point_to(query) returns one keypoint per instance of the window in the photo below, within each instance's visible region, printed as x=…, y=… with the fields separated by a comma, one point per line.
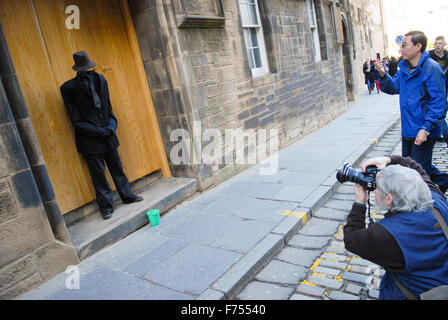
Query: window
x=253, y=36
x=314, y=30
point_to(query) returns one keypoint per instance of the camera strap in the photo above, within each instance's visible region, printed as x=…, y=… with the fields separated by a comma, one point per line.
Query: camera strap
x=371, y=222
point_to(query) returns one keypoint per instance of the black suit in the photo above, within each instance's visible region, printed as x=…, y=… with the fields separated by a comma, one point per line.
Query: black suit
x=90, y=123
x=95, y=134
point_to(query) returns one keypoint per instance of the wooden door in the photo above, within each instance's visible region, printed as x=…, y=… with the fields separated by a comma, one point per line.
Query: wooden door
x=41, y=47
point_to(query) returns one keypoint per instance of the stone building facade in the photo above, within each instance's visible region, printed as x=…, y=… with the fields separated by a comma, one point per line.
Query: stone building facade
x=284, y=66
x=210, y=81
x=369, y=36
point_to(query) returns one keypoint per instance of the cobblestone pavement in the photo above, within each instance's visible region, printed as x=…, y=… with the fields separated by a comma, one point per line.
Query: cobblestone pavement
x=314, y=265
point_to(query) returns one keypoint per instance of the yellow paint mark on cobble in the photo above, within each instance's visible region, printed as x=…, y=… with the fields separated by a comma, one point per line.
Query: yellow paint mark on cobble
x=300, y=215
x=316, y=264
x=318, y=274
x=338, y=235
x=339, y=278
x=308, y=283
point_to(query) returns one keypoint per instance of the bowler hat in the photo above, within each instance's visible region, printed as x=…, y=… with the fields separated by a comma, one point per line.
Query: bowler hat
x=82, y=61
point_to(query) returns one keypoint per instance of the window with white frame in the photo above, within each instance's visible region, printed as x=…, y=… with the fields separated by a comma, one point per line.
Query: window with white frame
x=253, y=36
x=314, y=30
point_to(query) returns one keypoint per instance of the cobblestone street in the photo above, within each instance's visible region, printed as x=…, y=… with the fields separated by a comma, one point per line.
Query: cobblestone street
x=314, y=265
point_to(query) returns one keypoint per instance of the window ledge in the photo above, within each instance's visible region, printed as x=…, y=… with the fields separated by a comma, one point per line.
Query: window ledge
x=263, y=78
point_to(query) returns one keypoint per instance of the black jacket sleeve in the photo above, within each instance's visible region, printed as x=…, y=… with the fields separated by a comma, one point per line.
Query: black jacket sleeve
x=113, y=123
x=374, y=243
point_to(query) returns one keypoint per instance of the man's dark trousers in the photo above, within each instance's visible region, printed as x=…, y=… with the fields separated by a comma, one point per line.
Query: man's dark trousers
x=102, y=188
x=423, y=155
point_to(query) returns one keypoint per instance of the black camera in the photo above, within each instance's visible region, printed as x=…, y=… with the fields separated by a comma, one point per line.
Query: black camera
x=367, y=179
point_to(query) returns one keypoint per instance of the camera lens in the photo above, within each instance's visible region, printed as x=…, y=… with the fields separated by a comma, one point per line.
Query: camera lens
x=348, y=174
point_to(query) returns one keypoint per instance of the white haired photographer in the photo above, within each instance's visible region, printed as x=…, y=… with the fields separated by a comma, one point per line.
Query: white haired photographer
x=411, y=242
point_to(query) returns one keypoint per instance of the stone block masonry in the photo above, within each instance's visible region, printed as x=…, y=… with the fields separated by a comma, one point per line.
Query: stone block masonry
x=29, y=252
x=210, y=71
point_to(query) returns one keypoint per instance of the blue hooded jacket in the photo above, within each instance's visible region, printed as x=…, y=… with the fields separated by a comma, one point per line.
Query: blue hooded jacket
x=422, y=96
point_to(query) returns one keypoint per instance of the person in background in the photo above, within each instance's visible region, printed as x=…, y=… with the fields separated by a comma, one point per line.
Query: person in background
x=440, y=55
x=421, y=85
x=393, y=66
x=376, y=76
x=368, y=70
x=385, y=63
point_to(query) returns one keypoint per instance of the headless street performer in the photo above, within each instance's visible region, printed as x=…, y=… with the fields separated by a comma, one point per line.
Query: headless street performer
x=86, y=98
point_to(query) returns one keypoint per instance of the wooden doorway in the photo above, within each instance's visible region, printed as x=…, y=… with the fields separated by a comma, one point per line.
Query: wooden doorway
x=41, y=47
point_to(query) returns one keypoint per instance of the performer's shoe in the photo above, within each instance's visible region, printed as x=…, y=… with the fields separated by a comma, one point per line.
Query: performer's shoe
x=133, y=199
x=106, y=213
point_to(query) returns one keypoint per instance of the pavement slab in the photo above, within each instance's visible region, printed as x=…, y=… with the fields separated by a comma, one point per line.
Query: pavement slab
x=320, y=227
x=299, y=257
x=105, y=284
x=265, y=291
x=193, y=269
x=282, y=272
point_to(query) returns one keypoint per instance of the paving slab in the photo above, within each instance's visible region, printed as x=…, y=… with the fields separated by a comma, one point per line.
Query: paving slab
x=282, y=272
x=254, y=209
x=310, y=290
x=326, y=282
x=332, y=214
x=308, y=242
x=105, y=284
x=293, y=193
x=243, y=236
x=320, y=227
x=193, y=269
x=298, y=296
x=153, y=258
x=265, y=291
x=337, y=295
x=299, y=257
x=200, y=228
x=339, y=205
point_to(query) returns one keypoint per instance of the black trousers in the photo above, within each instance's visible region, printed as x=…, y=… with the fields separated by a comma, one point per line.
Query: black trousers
x=96, y=164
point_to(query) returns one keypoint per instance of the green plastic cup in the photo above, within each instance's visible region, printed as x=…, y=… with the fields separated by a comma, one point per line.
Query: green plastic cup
x=154, y=217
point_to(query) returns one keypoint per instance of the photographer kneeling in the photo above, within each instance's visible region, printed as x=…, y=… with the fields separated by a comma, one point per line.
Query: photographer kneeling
x=409, y=242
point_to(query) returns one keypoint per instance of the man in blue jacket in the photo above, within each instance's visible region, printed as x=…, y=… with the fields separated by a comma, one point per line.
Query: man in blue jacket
x=421, y=85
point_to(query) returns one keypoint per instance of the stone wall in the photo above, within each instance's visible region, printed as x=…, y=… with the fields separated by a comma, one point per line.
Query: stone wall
x=202, y=75
x=368, y=36
x=29, y=252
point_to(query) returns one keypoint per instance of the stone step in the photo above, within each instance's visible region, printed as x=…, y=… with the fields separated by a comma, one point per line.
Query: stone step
x=94, y=233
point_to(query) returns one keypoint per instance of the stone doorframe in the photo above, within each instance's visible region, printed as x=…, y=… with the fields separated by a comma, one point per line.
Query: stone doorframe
x=348, y=68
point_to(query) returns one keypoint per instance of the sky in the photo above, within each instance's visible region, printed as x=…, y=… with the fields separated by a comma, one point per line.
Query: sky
x=401, y=16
